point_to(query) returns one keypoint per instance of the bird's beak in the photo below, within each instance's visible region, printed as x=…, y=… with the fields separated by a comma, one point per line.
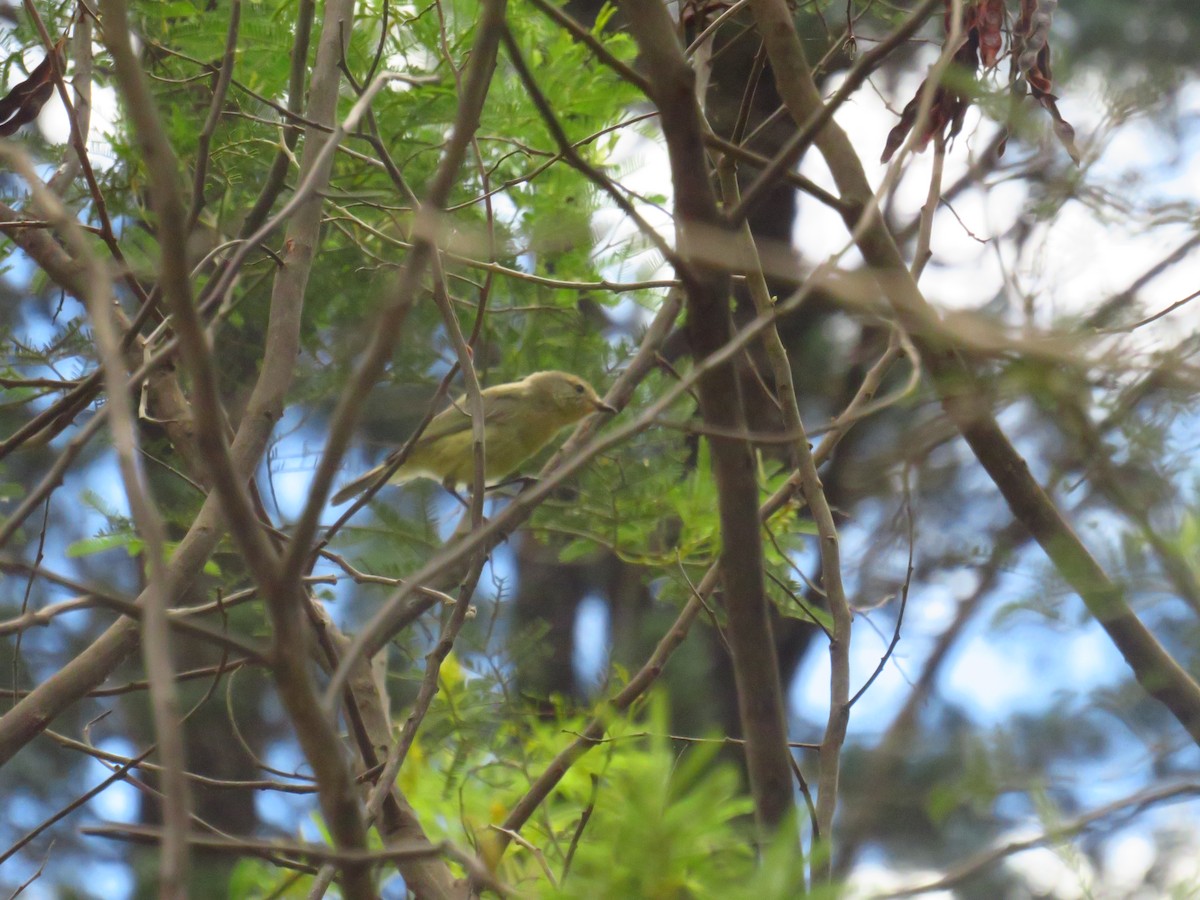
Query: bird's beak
x=603, y=407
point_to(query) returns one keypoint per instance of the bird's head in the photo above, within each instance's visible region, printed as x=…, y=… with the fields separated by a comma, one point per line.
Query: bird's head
x=568, y=394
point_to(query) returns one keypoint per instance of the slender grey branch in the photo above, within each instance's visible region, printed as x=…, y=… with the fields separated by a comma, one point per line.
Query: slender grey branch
x=975, y=865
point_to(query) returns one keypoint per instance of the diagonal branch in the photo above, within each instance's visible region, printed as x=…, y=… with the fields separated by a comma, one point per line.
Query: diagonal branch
x=1127, y=806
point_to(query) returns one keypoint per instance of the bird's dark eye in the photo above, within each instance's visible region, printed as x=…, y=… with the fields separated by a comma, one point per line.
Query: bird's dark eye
x=579, y=388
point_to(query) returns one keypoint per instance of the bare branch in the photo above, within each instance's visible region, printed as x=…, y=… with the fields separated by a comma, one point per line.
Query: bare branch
x=220, y=88
x=1132, y=804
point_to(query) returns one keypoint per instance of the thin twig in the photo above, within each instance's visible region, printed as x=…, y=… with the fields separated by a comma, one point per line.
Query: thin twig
x=1130, y=805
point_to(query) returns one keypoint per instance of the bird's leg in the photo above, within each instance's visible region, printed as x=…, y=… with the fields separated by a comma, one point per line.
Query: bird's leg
x=448, y=484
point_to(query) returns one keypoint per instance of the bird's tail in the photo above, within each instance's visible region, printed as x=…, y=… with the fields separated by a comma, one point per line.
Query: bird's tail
x=358, y=485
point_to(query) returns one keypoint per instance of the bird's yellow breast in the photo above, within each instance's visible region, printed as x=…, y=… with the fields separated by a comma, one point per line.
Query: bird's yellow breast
x=504, y=450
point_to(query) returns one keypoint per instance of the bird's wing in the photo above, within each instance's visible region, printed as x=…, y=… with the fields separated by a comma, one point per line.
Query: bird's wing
x=500, y=408
x=450, y=420
x=455, y=419
x=504, y=407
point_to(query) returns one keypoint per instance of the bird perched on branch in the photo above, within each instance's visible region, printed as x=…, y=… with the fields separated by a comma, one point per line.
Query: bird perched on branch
x=520, y=418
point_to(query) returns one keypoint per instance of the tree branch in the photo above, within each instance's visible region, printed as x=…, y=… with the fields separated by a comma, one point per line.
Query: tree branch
x=960, y=391
x=709, y=328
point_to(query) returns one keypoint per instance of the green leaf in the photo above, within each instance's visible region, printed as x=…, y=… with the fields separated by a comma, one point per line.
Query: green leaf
x=178, y=9
x=92, y=545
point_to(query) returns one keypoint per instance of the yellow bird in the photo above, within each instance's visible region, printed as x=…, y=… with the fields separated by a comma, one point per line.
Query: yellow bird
x=520, y=418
